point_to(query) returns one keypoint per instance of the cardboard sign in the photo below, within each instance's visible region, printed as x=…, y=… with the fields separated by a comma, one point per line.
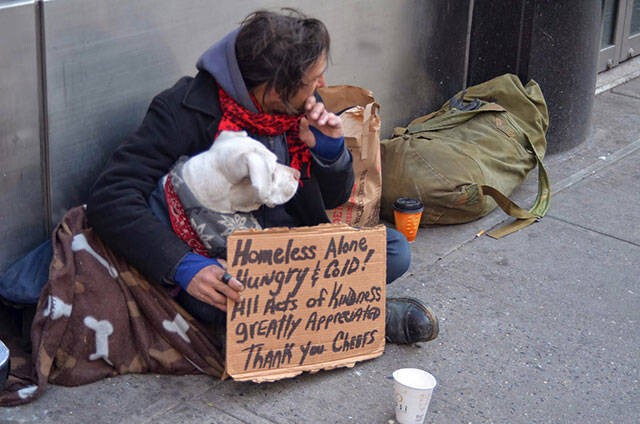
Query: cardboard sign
x=314, y=299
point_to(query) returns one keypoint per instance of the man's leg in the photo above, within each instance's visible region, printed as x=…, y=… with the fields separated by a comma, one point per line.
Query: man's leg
x=20, y=287
x=408, y=320
x=22, y=282
x=203, y=312
x=398, y=255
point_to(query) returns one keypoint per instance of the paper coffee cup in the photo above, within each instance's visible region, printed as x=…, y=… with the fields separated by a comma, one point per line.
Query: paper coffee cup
x=413, y=388
x=406, y=214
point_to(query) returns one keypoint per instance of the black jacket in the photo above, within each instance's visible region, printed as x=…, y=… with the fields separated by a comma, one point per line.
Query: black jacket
x=181, y=121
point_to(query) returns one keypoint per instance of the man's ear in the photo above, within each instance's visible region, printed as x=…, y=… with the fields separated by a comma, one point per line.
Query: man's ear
x=259, y=174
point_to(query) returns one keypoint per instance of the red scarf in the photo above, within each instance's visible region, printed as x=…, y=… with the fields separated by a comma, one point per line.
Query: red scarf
x=237, y=118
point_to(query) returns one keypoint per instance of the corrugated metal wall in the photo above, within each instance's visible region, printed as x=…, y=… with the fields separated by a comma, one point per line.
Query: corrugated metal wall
x=22, y=215
x=76, y=76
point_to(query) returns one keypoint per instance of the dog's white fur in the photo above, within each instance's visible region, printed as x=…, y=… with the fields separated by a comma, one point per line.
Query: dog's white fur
x=239, y=174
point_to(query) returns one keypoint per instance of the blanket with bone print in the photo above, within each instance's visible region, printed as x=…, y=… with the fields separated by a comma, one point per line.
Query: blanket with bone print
x=98, y=317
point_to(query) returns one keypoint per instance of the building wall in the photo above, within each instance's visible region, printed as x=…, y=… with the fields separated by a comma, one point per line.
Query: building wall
x=76, y=77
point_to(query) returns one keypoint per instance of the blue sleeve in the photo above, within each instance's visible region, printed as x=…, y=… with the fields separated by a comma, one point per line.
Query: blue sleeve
x=189, y=266
x=328, y=148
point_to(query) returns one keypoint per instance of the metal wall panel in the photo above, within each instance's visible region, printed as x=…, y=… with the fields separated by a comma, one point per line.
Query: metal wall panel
x=105, y=61
x=21, y=202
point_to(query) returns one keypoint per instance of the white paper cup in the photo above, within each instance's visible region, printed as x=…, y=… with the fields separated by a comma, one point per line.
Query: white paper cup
x=413, y=389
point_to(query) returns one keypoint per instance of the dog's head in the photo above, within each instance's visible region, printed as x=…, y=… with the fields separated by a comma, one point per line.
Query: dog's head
x=255, y=175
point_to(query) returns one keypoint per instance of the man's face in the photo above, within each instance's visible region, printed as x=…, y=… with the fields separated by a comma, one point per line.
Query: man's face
x=312, y=80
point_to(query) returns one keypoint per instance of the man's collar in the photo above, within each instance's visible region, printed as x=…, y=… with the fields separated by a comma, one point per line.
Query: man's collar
x=202, y=95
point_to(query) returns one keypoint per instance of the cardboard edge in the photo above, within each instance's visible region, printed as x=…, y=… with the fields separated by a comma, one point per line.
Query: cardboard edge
x=317, y=229
x=278, y=374
x=326, y=227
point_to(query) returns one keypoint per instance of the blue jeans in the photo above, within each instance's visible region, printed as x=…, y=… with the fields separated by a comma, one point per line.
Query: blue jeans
x=23, y=281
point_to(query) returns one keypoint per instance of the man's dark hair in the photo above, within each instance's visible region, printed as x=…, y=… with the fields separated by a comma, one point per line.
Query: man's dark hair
x=278, y=48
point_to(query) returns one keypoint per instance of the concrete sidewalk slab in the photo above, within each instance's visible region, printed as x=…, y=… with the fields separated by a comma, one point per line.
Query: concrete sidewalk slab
x=606, y=202
x=632, y=89
x=538, y=327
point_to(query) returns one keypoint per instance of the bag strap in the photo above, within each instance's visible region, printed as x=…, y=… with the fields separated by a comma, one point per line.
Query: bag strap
x=448, y=118
x=523, y=217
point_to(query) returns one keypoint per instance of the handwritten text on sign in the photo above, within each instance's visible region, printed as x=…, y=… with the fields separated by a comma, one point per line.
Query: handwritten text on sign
x=314, y=298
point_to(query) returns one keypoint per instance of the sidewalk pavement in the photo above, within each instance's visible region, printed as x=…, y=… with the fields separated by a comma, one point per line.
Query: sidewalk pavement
x=538, y=327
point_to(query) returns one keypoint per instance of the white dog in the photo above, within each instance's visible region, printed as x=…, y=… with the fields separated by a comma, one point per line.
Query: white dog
x=239, y=174
x=218, y=187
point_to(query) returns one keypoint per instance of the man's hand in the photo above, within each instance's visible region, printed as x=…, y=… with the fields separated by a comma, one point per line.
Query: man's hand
x=208, y=287
x=316, y=115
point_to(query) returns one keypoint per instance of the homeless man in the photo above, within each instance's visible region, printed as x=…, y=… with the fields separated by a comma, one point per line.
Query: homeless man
x=261, y=78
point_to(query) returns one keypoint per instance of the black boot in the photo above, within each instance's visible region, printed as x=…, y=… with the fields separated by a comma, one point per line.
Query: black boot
x=409, y=321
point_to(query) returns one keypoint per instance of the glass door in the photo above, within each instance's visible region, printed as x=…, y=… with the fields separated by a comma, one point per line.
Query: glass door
x=620, y=32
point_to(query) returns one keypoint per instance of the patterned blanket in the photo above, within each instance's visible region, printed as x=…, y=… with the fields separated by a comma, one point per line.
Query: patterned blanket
x=98, y=317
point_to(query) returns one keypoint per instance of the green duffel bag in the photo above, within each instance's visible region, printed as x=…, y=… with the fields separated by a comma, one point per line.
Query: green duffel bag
x=466, y=158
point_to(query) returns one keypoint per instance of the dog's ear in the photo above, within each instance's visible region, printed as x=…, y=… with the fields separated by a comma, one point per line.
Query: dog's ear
x=260, y=173
x=237, y=166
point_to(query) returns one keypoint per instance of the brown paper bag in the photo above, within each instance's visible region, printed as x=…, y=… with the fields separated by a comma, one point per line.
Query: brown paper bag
x=361, y=122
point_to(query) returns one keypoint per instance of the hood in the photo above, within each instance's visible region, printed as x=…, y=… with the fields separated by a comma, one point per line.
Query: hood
x=220, y=61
